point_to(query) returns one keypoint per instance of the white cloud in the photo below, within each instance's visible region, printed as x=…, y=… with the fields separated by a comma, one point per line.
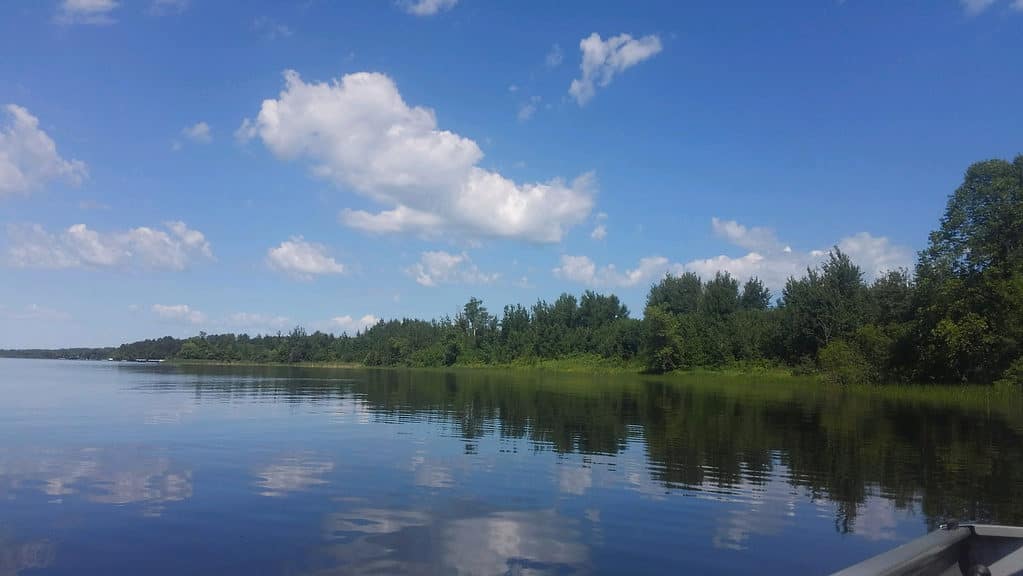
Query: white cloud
x=258, y=323
x=774, y=262
x=302, y=259
x=190, y=239
x=1017, y=5
x=439, y=267
x=599, y=232
x=32, y=246
x=603, y=59
x=163, y=7
x=749, y=238
x=179, y=313
x=271, y=29
x=29, y=158
x=528, y=108
x=583, y=270
x=350, y=326
x=554, y=57
x=977, y=6
x=769, y=259
x=34, y=312
x=198, y=132
x=360, y=133
x=86, y=11
x=426, y=7
x=390, y=221
x=875, y=254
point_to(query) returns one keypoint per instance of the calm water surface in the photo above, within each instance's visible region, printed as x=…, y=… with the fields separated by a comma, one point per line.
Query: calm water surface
x=110, y=468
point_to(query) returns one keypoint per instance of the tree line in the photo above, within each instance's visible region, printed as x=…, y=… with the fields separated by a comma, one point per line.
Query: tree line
x=957, y=317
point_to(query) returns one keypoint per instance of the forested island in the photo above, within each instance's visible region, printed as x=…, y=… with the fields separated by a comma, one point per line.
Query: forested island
x=956, y=318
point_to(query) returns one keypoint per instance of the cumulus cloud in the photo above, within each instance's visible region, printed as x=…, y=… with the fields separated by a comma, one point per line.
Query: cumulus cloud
x=179, y=313
x=32, y=246
x=604, y=59
x=599, y=232
x=554, y=57
x=302, y=259
x=198, y=132
x=426, y=7
x=86, y=11
x=349, y=325
x=28, y=156
x=750, y=238
x=585, y=271
x=359, y=132
x=774, y=262
x=768, y=259
x=439, y=267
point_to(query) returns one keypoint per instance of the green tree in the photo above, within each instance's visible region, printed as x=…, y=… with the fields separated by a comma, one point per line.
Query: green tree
x=677, y=294
x=662, y=341
x=755, y=296
x=721, y=295
x=970, y=278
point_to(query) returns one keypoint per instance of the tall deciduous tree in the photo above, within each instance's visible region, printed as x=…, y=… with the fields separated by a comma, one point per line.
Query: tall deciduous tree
x=970, y=278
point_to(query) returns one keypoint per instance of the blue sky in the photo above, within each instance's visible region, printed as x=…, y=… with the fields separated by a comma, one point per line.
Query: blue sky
x=172, y=166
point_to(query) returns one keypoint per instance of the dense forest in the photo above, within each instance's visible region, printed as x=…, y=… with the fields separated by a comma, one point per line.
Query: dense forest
x=958, y=317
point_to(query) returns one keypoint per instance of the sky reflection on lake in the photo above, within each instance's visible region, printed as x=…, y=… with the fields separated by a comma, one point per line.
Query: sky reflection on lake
x=109, y=468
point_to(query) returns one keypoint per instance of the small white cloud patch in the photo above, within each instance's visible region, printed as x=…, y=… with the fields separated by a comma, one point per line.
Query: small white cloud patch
x=166, y=7
x=349, y=325
x=554, y=57
x=302, y=260
x=198, y=132
x=35, y=312
x=181, y=313
x=271, y=29
x=974, y=7
x=97, y=12
x=528, y=108
x=29, y=158
x=32, y=246
x=258, y=323
x=426, y=7
x=583, y=270
x=605, y=59
x=439, y=267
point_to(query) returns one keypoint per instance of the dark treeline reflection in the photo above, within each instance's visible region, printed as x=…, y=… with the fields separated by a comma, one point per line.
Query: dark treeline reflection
x=957, y=457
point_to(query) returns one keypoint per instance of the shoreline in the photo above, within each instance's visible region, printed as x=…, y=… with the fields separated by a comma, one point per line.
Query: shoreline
x=564, y=365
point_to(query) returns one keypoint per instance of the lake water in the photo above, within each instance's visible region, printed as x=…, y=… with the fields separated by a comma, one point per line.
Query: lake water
x=109, y=468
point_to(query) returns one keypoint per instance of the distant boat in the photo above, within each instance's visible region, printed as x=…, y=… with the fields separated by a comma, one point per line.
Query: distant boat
x=953, y=549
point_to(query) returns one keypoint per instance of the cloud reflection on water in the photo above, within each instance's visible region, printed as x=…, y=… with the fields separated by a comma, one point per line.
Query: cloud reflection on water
x=114, y=475
x=292, y=474
x=376, y=540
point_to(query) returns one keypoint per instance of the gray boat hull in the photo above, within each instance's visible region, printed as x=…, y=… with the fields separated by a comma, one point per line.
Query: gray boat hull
x=953, y=550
